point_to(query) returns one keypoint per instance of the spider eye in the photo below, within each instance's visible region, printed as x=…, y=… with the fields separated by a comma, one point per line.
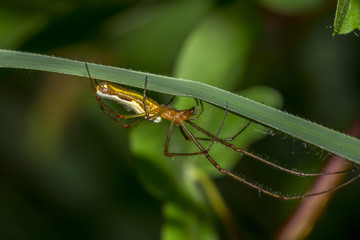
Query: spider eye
x=103, y=86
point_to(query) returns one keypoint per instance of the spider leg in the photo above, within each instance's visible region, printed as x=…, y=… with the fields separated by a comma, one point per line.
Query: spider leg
x=144, y=99
x=187, y=137
x=196, y=114
x=167, y=142
x=118, y=120
x=255, y=186
x=240, y=150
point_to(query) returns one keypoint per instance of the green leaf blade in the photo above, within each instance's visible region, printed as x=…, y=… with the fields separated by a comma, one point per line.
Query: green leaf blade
x=327, y=139
x=347, y=17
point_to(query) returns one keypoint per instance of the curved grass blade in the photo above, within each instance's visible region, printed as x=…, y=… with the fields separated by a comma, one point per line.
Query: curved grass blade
x=328, y=139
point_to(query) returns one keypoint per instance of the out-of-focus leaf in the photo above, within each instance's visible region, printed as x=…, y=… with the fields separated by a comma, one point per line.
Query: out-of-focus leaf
x=143, y=28
x=216, y=53
x=182, y=224
x=292, y=7
x=16, y=28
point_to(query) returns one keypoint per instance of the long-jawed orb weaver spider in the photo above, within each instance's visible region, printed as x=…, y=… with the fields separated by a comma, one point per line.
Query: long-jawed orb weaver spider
x=147, y=108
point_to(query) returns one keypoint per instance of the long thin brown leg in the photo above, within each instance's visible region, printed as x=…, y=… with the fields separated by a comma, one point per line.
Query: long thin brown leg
x=167, y=142
x=259, y=188
x=92, y=81
x=144, y=99
x=237, y=134
x=166, y=152
x=124, y=125
x=196, y=114
x=221, y=126
x=239, y=150
x=214, y=138
x=190, y=139
x=225, y=139
x=210, y=139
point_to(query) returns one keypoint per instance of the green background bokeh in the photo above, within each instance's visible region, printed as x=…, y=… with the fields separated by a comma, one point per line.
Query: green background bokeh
x=68, y=172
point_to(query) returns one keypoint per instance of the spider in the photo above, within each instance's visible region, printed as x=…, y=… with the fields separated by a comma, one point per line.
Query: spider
x=147, y=108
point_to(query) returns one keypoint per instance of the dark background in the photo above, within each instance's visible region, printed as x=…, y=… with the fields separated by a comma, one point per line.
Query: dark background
x=67, y=171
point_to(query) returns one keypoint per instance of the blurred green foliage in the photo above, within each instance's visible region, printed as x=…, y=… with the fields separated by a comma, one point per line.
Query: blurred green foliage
x=69, y=172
